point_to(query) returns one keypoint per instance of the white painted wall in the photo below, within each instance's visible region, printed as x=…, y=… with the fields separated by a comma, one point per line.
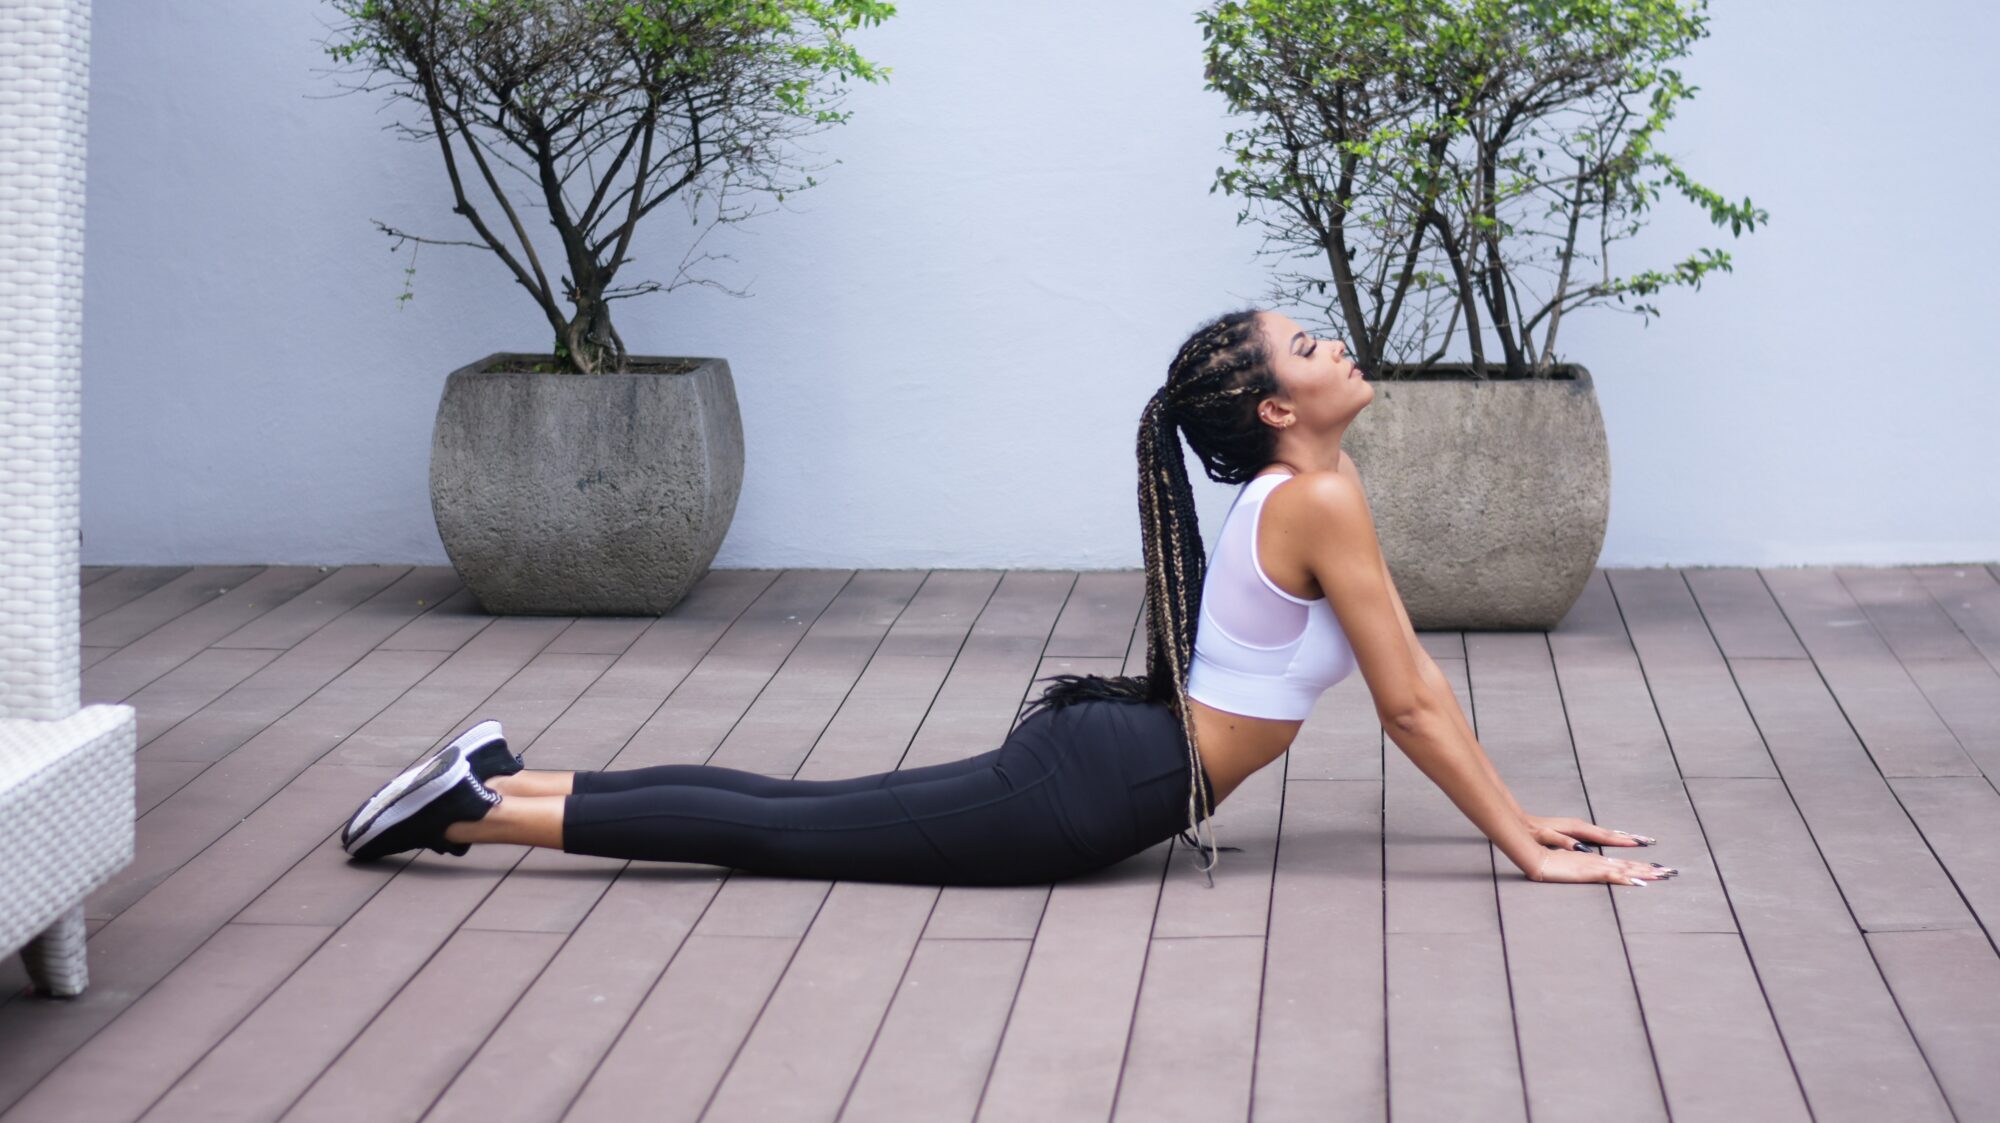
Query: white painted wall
x=948, y=342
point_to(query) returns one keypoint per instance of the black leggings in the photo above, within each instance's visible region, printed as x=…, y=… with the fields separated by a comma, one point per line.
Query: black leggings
x=1070, y=790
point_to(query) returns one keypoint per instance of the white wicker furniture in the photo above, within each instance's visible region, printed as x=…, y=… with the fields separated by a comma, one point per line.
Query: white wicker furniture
x=66, y=774
x=65, y=825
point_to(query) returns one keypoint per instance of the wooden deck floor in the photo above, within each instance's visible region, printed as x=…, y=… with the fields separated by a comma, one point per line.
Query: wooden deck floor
x=1815, y=749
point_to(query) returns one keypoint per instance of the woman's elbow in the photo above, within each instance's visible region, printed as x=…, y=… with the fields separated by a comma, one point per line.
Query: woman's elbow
x=1407, y=710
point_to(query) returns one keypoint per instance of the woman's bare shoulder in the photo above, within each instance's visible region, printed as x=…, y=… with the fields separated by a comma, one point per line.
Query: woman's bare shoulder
x=1318, y=485
x=1305, y=501
x=1306, y=517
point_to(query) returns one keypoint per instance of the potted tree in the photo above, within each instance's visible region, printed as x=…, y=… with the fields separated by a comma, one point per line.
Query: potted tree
x=1419, y=154
x=589, y=480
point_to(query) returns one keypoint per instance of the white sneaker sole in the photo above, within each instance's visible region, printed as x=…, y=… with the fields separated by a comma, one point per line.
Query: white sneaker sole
x=416, y=786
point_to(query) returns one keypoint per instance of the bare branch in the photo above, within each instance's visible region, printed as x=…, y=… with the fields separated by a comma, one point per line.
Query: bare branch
x=679, y=97
x=1421, y=135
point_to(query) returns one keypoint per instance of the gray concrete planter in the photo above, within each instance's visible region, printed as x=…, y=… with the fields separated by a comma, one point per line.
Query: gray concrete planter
x=1490, y=497
x=572, y=495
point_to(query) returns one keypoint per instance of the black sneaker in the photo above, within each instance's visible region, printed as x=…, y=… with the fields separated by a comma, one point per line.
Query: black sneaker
x=486, y=750
x=482, y=750
x=419, y=818
x=494, y=759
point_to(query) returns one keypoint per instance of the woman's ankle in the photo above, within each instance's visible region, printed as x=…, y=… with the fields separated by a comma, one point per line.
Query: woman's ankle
x=531, y=782
x=527, y=820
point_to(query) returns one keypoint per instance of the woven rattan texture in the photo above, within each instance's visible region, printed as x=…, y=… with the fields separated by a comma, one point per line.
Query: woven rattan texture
x=44, y=60
x=66, y=801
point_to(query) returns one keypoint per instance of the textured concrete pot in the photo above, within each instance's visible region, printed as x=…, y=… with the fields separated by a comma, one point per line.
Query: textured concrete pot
x=1490, y=496
x=572, y=495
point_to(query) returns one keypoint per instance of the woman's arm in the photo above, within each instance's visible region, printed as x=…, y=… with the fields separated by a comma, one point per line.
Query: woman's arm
x=1427, y=668
x=1561, y=833
x=1412, y=697
x=1346, y=560
x=1447, y=699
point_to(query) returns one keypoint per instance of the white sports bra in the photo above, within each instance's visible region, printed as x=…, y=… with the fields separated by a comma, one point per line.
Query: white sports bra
x=1259, y=650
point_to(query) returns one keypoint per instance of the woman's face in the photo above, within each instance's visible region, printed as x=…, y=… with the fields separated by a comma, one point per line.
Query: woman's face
x=1319, y=386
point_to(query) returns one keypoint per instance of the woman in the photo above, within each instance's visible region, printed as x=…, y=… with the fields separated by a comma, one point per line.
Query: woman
x=1099, y=768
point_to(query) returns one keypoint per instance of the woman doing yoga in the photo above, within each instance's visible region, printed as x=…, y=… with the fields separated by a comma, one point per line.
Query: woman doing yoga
x=1295, y=597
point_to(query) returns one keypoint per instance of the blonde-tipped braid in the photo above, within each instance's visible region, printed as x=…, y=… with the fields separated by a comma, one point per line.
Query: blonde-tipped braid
x=1176, y=580
x=1208, y=398
x=1165, y=588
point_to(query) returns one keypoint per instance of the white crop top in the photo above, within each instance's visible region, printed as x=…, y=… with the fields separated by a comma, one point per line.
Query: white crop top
x=1259, y=650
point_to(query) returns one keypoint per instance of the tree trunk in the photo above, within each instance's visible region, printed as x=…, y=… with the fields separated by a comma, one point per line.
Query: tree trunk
x=589, y=342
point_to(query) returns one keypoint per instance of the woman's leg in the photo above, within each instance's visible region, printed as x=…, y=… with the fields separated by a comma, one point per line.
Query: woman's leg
x=531, y=808
x=532, y=782
x=1000, y=823
x=536, y=783
x=526, y=820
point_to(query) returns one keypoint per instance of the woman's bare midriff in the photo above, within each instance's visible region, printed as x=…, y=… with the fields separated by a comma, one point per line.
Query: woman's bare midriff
x=1233, y=745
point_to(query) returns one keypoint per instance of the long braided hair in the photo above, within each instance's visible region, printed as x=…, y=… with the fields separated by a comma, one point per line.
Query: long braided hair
x=1213, y=386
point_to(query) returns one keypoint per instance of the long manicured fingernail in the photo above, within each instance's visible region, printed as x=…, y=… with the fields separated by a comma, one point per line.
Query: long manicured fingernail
x=1585, y=848
x=1635, y=881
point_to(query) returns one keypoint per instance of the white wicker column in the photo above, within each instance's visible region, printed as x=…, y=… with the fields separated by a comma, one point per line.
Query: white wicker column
x=44, y=51
x=66, y=797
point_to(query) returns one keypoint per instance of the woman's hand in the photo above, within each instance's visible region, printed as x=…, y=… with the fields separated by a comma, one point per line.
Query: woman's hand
x=1577, y=866
x=1564, y=833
